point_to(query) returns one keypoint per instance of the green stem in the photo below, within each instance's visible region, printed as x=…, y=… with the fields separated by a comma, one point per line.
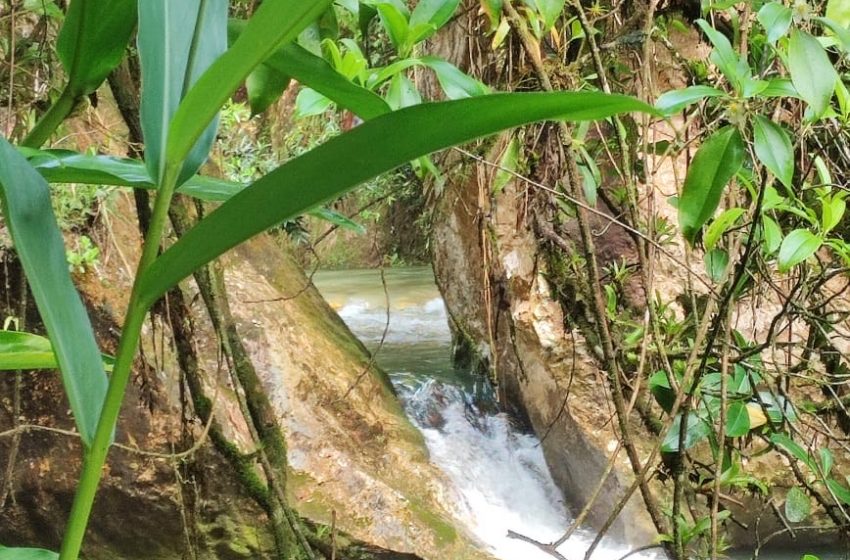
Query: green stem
x=95, y=456
x=51, y=120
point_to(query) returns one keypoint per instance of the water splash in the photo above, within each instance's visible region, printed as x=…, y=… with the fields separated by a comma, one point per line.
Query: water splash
x=498, y=472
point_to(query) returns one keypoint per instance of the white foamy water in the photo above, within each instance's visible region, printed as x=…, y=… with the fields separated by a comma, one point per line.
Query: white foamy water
x=499, y=474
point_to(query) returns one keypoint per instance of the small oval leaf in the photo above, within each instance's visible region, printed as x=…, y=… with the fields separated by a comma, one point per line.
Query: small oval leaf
x=773, y=148
x=797, y=505
x=737, y=420
x=798, y=246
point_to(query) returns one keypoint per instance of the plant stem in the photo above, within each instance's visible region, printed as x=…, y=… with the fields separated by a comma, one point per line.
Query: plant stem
x=51, y=120
x=95, y=456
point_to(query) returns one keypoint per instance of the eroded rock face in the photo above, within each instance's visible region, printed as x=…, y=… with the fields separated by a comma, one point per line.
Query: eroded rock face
x=355, y=459
x=493, y=278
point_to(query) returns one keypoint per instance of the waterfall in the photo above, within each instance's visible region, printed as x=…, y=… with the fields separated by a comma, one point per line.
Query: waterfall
x=498, y=472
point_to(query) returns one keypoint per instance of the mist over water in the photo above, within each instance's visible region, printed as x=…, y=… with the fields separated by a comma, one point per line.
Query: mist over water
x=499, y=475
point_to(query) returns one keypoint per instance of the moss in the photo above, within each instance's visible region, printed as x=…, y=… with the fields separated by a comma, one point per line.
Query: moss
x=444, y=532
x=238, y=539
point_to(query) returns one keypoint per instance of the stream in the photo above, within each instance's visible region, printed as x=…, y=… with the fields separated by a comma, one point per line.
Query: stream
x=497, y=470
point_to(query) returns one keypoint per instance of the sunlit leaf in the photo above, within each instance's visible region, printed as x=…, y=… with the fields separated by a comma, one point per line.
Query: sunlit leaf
x=797, y=246
x=721, y=225
x=305, y=182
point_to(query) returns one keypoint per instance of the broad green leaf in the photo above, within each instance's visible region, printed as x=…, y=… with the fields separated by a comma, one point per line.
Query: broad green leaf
x=177, y=42
x=840, y=31
x=716, y=262
x=774, y=150
x=26, y=554
x=812, y=73
x=314, y=72
x=310, y=103
x=772, y=235
x=305, y=182
x=776, y=19
x=797, y=246
x=274, y=23
x=674, y=101
x=714, y=164
x=20, y=350
x=720, y=225
x=29, y=216
x=265, y=85
x=737, y=420
x=797, y=505
x=455, y=83
x=435, y=13
x=839, y=12
x=793, y=448
x=93, y=40
x=396, y=24
x=696, y=431
x=402, y=92
x=550, y=10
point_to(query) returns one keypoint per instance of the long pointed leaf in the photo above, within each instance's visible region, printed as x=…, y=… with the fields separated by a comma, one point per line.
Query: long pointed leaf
x=26, y=554
x=93, y=39
x=358, y=155
x=296, y=62
x=64, y=166
x=177, y=42
x=29, y=217
x=313, y=72
x=275, y=22
x=21, y=350
x=715, y=163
